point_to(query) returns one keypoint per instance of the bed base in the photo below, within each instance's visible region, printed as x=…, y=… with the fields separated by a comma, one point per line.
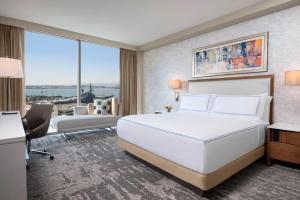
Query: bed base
x=204, y=182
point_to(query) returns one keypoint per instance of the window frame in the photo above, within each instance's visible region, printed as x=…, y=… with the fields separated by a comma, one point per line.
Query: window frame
x=79, y=60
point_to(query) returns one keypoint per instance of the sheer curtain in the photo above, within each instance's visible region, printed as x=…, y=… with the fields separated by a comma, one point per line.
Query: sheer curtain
x=12, y=46
x=128, y=81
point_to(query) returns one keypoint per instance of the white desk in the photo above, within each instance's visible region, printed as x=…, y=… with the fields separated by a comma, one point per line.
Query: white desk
x=12, y=158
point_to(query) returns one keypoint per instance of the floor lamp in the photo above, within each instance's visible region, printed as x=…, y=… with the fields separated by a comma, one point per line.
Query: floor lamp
x=10, y=68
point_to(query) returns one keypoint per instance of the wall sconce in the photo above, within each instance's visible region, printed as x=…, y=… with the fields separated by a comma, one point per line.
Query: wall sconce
x=176, y=86
x=292, y=77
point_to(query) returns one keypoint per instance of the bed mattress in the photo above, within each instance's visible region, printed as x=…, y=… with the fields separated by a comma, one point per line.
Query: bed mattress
x=201, y=142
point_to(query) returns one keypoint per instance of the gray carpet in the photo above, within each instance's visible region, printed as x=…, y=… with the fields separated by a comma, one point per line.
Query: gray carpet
x=91, y=166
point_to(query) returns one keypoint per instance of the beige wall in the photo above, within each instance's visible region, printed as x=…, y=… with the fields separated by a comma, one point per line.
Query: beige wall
x=174, y=61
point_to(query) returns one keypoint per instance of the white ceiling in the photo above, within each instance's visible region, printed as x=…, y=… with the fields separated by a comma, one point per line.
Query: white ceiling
x=133, y=22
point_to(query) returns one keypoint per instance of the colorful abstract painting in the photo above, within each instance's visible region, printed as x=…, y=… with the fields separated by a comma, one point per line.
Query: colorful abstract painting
x=240, y=56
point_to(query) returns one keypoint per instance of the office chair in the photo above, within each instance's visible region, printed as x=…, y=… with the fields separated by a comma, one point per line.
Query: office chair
x=36, y=123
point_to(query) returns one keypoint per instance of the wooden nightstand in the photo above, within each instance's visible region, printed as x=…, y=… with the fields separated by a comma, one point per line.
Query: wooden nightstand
x=283, y=143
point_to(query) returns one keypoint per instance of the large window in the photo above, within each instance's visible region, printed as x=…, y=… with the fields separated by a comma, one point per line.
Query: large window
x=99, y=72
x=51, y=75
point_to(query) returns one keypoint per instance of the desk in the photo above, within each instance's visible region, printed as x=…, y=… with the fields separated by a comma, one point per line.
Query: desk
x=12, y=158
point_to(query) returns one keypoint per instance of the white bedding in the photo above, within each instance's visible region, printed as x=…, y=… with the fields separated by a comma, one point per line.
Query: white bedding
x=203, y=142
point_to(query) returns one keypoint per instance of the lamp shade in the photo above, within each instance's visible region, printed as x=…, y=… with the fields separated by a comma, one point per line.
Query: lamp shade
x=174, y=84
x=11, y=68
x=292, y=77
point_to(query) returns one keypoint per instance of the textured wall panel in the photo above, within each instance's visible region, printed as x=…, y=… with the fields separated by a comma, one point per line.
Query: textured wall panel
x=174, y=61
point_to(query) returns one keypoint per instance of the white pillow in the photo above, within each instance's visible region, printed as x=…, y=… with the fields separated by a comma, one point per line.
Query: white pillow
x=264, y=107
x=265, y=114
x=236, y=105
x=195, y=102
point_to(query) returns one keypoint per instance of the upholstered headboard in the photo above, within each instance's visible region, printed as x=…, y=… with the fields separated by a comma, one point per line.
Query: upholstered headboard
x=233, y=85
x=241, y=85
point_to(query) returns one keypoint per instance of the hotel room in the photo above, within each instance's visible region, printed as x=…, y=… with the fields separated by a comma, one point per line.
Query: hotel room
x=140, y=99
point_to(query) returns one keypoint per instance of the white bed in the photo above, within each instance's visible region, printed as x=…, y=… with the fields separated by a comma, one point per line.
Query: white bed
x=199, y=141
x=209, y=136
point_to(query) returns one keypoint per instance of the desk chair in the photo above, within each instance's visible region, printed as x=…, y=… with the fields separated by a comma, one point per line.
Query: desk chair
x=36, y=123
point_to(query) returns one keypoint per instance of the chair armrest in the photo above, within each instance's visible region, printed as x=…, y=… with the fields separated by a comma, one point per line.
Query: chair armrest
x=25, y=123
x=39, y=131
x=80, y=110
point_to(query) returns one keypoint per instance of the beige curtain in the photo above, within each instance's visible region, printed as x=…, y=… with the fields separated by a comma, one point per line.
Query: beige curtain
x=12, y=46
x=128, y=82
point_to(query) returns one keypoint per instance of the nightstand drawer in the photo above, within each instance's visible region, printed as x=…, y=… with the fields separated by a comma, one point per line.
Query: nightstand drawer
x=285, y=152
x=290, y=137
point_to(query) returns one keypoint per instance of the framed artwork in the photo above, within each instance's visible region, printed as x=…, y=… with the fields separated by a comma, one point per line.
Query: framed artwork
x=243, y=55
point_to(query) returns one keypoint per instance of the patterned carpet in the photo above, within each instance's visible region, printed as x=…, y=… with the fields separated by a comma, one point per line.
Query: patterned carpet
x=91, y=166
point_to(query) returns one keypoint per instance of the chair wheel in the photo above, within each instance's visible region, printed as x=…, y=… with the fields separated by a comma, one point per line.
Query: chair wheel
x=51, y=157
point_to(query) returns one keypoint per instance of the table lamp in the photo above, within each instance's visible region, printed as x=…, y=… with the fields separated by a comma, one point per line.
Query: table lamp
x=10, y=68
x=292, y=77
x=175, y=85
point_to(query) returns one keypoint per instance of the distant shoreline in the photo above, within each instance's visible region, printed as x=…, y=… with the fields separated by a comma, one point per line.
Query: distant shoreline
x=69, y=91
x=115, y=86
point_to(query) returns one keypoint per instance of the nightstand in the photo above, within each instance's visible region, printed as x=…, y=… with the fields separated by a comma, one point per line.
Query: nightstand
x=283, y=143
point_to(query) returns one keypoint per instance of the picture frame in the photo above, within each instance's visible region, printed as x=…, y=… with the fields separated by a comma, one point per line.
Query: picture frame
x=243, y=55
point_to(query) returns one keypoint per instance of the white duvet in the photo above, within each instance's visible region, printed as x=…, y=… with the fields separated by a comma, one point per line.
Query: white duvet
x=197, y=125
x=199, y=141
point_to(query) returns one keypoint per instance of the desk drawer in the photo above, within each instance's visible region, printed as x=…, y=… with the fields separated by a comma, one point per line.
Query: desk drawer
x=285, y=152
x=290, y=137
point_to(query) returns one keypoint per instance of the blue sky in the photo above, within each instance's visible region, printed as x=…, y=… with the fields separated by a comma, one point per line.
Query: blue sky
x=51, y=60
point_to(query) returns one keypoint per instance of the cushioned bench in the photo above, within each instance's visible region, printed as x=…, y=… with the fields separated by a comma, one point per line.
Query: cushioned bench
x=63, y=124
x=82, y=120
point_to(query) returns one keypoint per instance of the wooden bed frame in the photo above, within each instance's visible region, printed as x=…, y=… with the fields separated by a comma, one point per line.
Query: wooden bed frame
x=203, y=181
